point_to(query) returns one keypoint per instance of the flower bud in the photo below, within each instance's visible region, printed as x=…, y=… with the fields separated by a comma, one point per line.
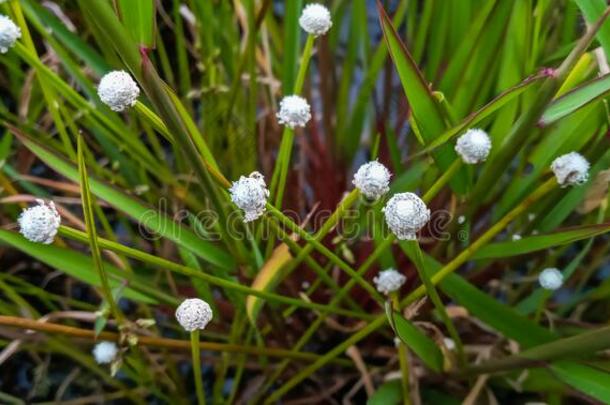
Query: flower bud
x=294, y=112
x=250, y=195
x=118, y=90
x=315, y=19
x=406, y=214
x=40, y=223
x=570, y=169
x=473, y=146
x=194, y=314
x=372, y=179
x=389, y=281
x=550, y=279
x=105, y=352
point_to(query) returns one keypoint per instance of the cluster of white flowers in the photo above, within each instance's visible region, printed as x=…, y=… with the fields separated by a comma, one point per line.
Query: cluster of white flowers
x=473, y=146
x=373, y=180
x=250, y=195
x=388, y=281
x=9, y=33
x=40, y=223
x=105, y=352
x=406, y=214
x=118, y=90
x=315, y=19
x=194, y=314
x=294, y=112
x=571, y=169
x=550, y=279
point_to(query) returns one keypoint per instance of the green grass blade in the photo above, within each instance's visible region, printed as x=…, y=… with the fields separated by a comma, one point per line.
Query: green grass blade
x=422, y=345
x=424, y=106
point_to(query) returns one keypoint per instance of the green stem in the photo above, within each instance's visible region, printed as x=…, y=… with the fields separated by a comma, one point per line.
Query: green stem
x=441, y=181
x=197, y=367
x=326, y=252
x=403, y=358
x=281, y=169
x=438, y=303
x=190, y=272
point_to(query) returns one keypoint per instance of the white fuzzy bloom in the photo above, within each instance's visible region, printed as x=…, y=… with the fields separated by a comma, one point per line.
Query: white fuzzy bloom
x=389, y=281
x=372, y=179
x=294, y=112
x=473, y=146
x=550, y=279
x=406, y=214
x=570, y=169
x=315, y=19
x=194, y=314
x=105, y=352
x=118, y=90
x=9, y=33
x=516, y=237
x=250, y=194
x=40, y=223
x=449, y=343
x=461, y=219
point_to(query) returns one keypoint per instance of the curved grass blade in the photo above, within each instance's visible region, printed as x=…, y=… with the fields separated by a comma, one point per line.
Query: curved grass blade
x=539, y=242
x=146, y=216
x=576, y=99
x=424, y=106
x=72, y=263
x=422, y=345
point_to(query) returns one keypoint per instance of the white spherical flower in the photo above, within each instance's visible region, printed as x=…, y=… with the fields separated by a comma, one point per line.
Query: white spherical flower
x=40, y=223
x=473, y=146
x=570, y=169
x=9, y=33
x=118, y=90
x=389, y=281
x=550, y=279
x=372, y=179
x=315, y=19
x=294, y=112
x=194, y=314
x=406, y=214
x=105, y=352
x=250, y=194
x=516, y=237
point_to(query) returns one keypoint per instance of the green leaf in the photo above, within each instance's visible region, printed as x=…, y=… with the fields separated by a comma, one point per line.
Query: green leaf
x=138, y=16
x=539, y=242
x=389, y=393
x=72, y=263
x=146, y=216
x=592, y=10
x=416, y=340
x=592, y=382
x=424, y=106
x=576, y=99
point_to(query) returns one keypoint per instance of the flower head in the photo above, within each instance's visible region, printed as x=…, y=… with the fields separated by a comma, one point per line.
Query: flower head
x=294, y=112
x=40, y=223
x=372, y=179
x=389, y=281
x=105, y=352
x=473, y=146
x=118, y=90
x=570, y=169
x=9, y=33
x=550, y=279
x=194, y=314
x=250, y=194
x=315, y=19
x=406, y=214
